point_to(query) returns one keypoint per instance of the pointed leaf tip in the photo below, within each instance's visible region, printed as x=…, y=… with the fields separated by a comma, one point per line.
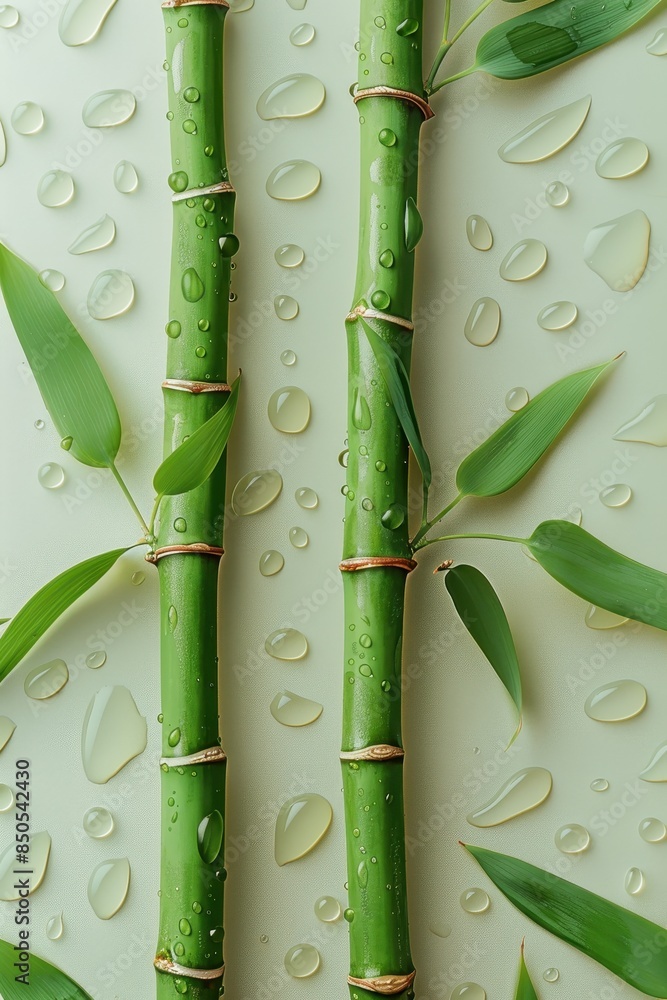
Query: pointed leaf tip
x=47, y=982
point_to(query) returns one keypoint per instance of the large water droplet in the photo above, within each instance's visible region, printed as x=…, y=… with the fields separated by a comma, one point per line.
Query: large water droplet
x=558, y=315
x=634, y=881
x=55, y=189
x=327, y=909
x=516, y=398
x=546, y=135
x=600, y=618
x=616, y=496
x=656, y=769
x=303, y=34
x=293, y=180
x=39, y=849
x=98, y=822
x=302, y=960
x=51, y=279
x=256, y=490
x=111, y=294
x=55, y=927
x=101, y=234
x=291, y=709
x=96, y=659
x=616, y=701
x=622, y=158
x=652, y=830
x=210, y=836
x=409, y=26
x=393, y=517
x=109, y=108
x=483, y=322
x=108, y=887
x=125, y=177
x=618, y=250
x=27, y=118
x=300, y=826
x=479, y=232
x=551, y=975
x=7, y=729
x=9, y=16
x=286, y=644
x=46, y=680
x=292, y=96
x=658, y=44
x=524, y=791
x=572, y=838
x=414, y=226
x=51, y=476
x=289, y=255
x=468, y=991
x=649, y=426
x=526, y=259
x=297, y=4
x=191, y=285
x=286, y=307
x=289, y=410
x=361, y=414
x=113, y=733
x=271, y=562
x=82, y=20
x=475, y=900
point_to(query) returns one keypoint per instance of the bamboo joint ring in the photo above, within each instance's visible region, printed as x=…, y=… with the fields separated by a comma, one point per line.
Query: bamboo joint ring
x=379, y=753
x=401, y=95
x=384, y=985
x=174, y=969
x=376, y=562
x=364, y=312
x=214, y=755
x=188, y=385
x=195, y=549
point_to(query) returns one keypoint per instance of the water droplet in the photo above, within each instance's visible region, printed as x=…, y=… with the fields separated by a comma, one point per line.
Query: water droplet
x=301, y=824
x=327, y=909
x=111, y=294
x=297, y=4
x=292, y=96
x=98, y=822
x=618, y=250
x=191, y=285
x=125, y=177
x=386, y=258
x=27, y=118
x=557, y=194
x=440, y=930
x=658, y=44
x=306, y=498
x=109, y=108
x=303, y=34
x=82, y=20
x=173, y=329
x=616, y=496
x=9, y=16
x=551, y=975
x=599, y=618
x=101, y=234
x=387, y=137
x=524, y=791
x=210, y=836
x=66, y=443
x=483, y=322
x=407, y=27
x=178, y=181
x=516, y=399
x=113, y=733
x=293, y=180
x=616, y=701
x=387, y=58
x=622, y=158
x=286, y=644
x=343, y=458
x=55, y=927
x=656, y=769
x=39, y=849
x=6, y=798
x=526, y=259
x=414, y=226
x=172, y=616
x=298, y=537
x=46, y=680
x=361, y=414
x=652, y=830
x=348, y=913
x=289, y=410
x=229, y=244
x=53, y=280
x=51, y=476
x=271, y=562
x=289, y=255
x=96, y=659
x=394, y=516
x=174, y=737
x=599, y=785
x=191, y=95
x=291, y=709
x=557, y=315
x=180, y=524
x=634, y=881
x=108, y=887
x=572, y=838
x=468, y=991
x=479, y=232
x=7, y=727
x=546, y=135
x=256, y=490
x=286, y=307
x=55, y=189
x=475, y=901
x=302, y=960
x=649, y=426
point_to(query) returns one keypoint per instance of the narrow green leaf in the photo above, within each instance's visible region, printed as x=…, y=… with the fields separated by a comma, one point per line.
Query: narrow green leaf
x=192, y=462
x=524, y=987
x=398, y=385
x=47, y=605
x=630, y=946
x=554, y=34
x=599, y=574
x=504, y=458
x=480, y=610
x=72, y=386
x=46, y=981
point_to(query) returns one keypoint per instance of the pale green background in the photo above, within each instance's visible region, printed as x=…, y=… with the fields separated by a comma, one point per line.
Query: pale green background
x=453, y=703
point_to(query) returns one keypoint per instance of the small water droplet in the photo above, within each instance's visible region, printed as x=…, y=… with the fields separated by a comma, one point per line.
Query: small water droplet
x=264, y=938
x=173, y=329
x=54, y=281
x=289, y=255
x=55, y=927
x=293, y=180
x=109, y=108
x=622, y=158
x=468, y=991
x=172, y=616
x=652, y=830
x=111, y=294
x=256, y=490
x=306, y=498
x=291, y=709
x=649, y=426
x=348, y=913
x=210, y=837
x=191, y=285
x=616, y=496
x=483, y=322
x=475, y=901
x=616, y=701
x=113, y=733
x=39, y=849
x=327, y=909
x=479, y=232
x=343, y=458
x=557, y=194
x=302, y=960
x=658, y=44
x=98, y=822
x=634, y=881
x=599, y=785
x=286, y=307
x=286, y=644
x=178, y=181
x=526, y=259
x=101, y=234
x=414, y=226
x=440, y=930
x=407, y=27
x=289, y=410
x=180, y=524
x=516, y=398
x=387, y=137
x=387, y=58
x=55, y=189
x=51, y=476
x=82, y=20
x=297, y=4
x=96, y=659
x=271, y=562
x=572, y=838
x=174, y=737
x=125, y=177
x=546, y=135
x=303, y=34
x=6, y=798
x=27, y=118
x=394, y=516
x=46, y=680
x=524, y=791
x=300, y=825
x=9, y=16
x=292, y=96
x=551, y=975
x=557, y=315
x=361, y=414
x=618, y=250
x=108, y=887
x=229, y=245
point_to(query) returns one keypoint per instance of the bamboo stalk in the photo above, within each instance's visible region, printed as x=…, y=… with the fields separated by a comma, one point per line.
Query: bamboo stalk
x=377, y=482
x=190, y=953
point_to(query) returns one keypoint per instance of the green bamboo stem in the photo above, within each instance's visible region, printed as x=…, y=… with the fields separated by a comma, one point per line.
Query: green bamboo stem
x=377, y=480
x=192, y=873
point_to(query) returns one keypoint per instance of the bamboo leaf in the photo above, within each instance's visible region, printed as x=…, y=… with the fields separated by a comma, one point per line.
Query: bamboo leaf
x=47, y=605
x=398, y=385
x=480, y=610
x=194, y=460
x=554, y=34
x=524, y=987
x=46, y=981
x=625, y=943
x=72, y=386
x=599, y=574
x=504, y=458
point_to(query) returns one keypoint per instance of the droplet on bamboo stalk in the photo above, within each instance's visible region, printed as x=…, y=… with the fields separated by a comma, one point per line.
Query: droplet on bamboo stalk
x=380, y=299
x=293, y=180
x=101, y=234
x=386, y=258
x=409, y=26
x=622, y=158
x=27, y=118
x=600, y=618
x=291, y=709
x=303, y=34
x=109, y=108
x=289, y=410
x=111, y=294
x=292, y=96
x=618, y=250
x=108, y=887
x=191, y=285
x=327, y=909
x=286, y=307
x=656, y=769
x=483, y=322
x=387, y=137
x=524, y=791
x=96, y=659
x=271, y=562
x=229, y=245
x=210, y=836
x=46, y=680
x=572, y=838
x=414, y=226
x=516, y=398
x=9, y=16
x=306, y=498
x=557, y=315
x=125, y=177
x=616, y=496
x=394, y=516
x=616, y=701
x=361, y=414
x=51, y=476
x=658, y=44
x=113, y=733
x=526, y=259
x=546, y=135
x=302, y=960
x=300, y=825
x=551, y=975
x=6, y=798
x=52, y=279
x=256, y=491
x=557, y=194
x=475, y=900
x=98, y=822
x=82, y=20
x=479, y=233
x=289, y=255
x=39, y=848
x=652, y=830
x=55, y=927
x=55, y=189
x=634, y=881
x=286, y=644
x=7, y=729
x=468, y=991
x=298, y=537
x=649, y=426
x=178, y=181
x=599, y=785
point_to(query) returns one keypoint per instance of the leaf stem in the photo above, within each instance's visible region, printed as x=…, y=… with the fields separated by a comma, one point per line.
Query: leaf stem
x=154, y=513
x=447, y=538
x=426, y=525
x=431, y=87
x=130, y=499
x=451, y=79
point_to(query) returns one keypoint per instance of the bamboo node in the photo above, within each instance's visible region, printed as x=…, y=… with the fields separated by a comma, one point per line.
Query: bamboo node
x=364, y=312
x=195, y=549
x=188, y=385
x=213, y=755
x=401, y=95
x=224, y=187
x=185, y=3
x=386, y=986
x=447, y=564
x=174, y=969
x=376, y=562
x=378, y=753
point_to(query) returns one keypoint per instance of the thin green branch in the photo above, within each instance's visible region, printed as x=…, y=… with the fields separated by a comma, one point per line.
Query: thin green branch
x=448, y=14
x=449, y=538
x=431, y=87
x=130, y=499
x=426, y=525
x=451, y=79
x=154, y=514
